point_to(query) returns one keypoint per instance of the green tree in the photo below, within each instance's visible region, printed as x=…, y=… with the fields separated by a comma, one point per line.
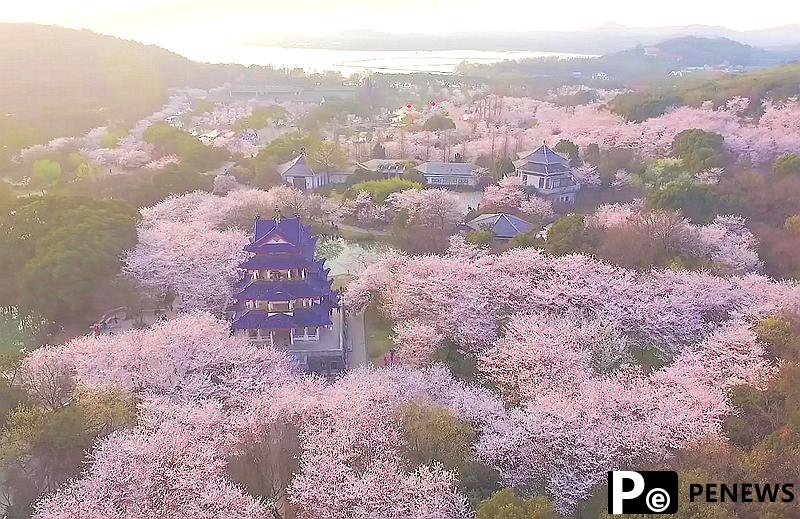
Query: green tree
x=261, y=117
x=792, y=223
x=324, y=156
x=480, y=237
x=55, y=250
x=193, y=153
x=45, y=173
x=506, y=504
x=569, y=234
x=436, y=123
x=381, y=189
x=43, y=447
x=568, y=148
x=434, y=434
x=699, y=149
x=788, y=164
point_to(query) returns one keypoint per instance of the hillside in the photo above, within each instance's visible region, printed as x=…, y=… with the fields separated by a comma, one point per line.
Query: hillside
x=60, y=81
x=642, y=64
x=691, y=51
x=777, y=83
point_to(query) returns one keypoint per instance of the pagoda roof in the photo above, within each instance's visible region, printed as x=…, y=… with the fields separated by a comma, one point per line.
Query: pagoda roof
x=279, y=261
x=543, y=160
x=263, y=290
x=252, y=318
x=281, y=235
x=297, y=167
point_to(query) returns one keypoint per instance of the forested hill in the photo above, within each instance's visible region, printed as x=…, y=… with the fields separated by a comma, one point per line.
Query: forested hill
x=58, y=81
x=776, y=83
x=691, y=51
x=638, y=66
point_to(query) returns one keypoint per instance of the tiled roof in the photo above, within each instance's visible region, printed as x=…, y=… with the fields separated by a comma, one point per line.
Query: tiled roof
x=281, y=235
x=446, y=168
x=543, y=160
x=250, y=319
x=297, y=167
x=263, y=290
x=501, y=225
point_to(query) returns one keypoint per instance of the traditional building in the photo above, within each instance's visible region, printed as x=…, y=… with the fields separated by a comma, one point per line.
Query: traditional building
x=284, y=297
x=448, y=174
x=502, y=226
x=299, y=174
x=388, y=168
x=548, y=174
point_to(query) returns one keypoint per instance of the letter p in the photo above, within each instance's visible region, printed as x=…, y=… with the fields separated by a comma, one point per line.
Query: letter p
x=619, y=495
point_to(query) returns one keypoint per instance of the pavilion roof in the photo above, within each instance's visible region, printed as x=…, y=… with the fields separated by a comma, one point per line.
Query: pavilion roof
x=543, y=160
x=297, y=167
x=501, y=225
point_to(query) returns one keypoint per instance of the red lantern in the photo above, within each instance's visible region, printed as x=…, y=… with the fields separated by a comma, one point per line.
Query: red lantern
x=433, y=103
x=408, y=106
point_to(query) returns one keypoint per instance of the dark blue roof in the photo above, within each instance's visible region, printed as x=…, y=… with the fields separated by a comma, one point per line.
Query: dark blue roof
x=543, y=160
x=501, y=225
x=281, y=235
x=282, y=290
x=249, y=319
x=278, y=261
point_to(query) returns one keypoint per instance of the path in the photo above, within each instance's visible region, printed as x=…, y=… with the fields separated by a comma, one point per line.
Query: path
x=356, y=341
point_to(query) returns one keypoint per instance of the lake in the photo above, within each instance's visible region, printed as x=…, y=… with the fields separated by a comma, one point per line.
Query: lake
x=357, y=61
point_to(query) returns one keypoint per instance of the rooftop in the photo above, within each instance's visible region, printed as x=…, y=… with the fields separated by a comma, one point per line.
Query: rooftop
x=297, y=167
x=501, y=225
x=446, y=168
x=542, y=160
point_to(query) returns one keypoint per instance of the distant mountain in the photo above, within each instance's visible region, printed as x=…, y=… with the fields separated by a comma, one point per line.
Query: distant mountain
x=604, y=39
x=58, y=81
x=693, y=51
x=640, y=66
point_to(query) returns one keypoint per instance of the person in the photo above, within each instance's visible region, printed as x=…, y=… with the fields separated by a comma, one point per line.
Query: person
x=388, y=359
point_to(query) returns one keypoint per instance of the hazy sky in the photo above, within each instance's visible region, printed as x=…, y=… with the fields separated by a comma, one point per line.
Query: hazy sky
x=186, y=22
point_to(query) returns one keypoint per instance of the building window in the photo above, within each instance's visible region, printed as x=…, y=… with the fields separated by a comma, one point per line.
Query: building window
x=541, y=182
x=252, y=333
x=279, y=306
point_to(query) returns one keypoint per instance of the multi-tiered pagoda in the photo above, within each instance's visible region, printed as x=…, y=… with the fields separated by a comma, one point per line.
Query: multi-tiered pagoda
x=284, y=297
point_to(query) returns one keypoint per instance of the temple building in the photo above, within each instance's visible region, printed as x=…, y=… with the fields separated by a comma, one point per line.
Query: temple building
x=548, y=174
x=284, y=297
x=298, y=173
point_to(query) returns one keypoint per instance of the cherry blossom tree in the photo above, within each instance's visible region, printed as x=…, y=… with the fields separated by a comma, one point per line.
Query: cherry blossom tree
x=363, y=211
x=416, y=343
x=224, y=184
x=198, y=263
x=505, y=197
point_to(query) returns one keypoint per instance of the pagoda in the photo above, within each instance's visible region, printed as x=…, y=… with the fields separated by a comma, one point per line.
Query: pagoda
x=284, y=296
x=547, y=174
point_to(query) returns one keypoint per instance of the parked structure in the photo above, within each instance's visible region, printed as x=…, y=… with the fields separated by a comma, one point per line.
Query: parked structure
x=548, y=174
x=284, y=297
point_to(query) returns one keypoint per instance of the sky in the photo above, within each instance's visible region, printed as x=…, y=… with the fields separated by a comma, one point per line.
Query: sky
x=182, y=23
